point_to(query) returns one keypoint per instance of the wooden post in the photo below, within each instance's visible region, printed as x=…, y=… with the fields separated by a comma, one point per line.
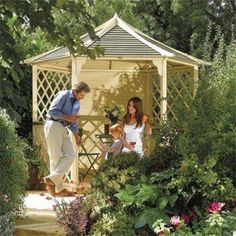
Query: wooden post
x=195, y=78
x=34, y=93
x=77, y=64
x=161, y=64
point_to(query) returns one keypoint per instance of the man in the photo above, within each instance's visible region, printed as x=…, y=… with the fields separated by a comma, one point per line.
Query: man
x=62, y=114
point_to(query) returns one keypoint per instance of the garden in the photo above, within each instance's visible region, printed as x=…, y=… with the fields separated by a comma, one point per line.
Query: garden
x=186, y=185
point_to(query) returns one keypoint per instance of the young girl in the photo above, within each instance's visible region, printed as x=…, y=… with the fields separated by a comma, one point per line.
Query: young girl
x=118, y=142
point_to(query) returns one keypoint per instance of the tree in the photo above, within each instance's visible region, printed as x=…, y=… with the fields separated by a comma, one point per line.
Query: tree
x=183, y=24
x=26, y=28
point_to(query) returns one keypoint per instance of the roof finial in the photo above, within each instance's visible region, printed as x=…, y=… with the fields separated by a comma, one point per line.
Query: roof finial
x=115, y=15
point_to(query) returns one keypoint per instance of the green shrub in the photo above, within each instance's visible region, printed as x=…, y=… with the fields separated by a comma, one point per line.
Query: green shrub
x=13, y=168
x=116, y=172
x=6, y=227
x=115, y=223
x=165, y=154
x=36, y=166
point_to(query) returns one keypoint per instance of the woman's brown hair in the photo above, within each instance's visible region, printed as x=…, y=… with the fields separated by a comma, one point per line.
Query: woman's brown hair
x=138, y=105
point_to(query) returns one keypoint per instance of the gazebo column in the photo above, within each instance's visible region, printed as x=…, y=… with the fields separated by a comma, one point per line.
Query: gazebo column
x=34, y=93
x=77, y=64
x=161, y=64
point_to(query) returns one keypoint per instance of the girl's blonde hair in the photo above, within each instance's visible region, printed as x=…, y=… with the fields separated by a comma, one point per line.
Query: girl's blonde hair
x=117, y=128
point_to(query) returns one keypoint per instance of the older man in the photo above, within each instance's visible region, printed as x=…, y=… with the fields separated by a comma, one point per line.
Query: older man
x=62, y=115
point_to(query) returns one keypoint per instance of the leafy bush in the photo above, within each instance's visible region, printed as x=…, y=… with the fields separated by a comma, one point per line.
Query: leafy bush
x=165, y=154
x=6, y=227
x=36, y=165
x=209, y=125
x=13, y=168
x=116, y=172
x=73, y=216
x=114, y=223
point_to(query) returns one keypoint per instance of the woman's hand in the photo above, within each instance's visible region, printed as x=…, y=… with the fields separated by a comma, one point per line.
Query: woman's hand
x=130, y=146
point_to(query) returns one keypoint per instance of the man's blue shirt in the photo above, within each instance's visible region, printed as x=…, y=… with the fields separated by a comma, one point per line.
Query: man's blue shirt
x=64, y=103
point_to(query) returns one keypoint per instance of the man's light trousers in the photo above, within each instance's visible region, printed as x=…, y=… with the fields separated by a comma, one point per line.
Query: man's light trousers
x=60, y=150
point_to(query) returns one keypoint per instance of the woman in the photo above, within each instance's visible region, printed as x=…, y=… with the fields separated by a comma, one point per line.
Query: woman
x=134, y=123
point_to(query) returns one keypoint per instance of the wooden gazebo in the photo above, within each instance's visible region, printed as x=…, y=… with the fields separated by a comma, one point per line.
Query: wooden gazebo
x=133, y=64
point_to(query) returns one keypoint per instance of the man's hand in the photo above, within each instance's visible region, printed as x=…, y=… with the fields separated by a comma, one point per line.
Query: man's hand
x=77, y=138
x=71, y=118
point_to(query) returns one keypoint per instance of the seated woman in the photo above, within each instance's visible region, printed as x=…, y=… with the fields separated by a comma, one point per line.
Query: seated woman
x=134, y=123
x=118, y=142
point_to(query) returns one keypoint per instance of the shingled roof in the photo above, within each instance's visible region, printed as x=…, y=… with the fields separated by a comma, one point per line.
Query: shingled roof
x=121, y=39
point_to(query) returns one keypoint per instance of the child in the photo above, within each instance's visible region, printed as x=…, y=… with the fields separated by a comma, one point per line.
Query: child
x=118, y=141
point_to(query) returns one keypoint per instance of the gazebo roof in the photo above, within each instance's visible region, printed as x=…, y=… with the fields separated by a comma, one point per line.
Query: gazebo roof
x=119, y=39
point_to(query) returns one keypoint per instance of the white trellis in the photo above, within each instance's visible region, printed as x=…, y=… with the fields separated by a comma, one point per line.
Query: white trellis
x=180, y=88
x=48, y=84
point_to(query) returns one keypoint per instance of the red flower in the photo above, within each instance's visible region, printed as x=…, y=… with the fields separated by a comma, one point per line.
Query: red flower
x=214, y=207
x=185, y=218
x=234, y=203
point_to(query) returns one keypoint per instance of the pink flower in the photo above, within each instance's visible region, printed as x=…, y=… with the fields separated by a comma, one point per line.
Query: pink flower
x=214, y=207
x=185, y=219
x=175, y=220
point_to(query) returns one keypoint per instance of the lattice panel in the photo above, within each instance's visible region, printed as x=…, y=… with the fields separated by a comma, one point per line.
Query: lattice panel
x=91, y=126
x=156, y=96
x=49, y=83
x=180, y=87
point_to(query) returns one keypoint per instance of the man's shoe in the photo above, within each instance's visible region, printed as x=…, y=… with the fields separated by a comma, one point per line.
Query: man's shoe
x=65, y=193
x=50, y=186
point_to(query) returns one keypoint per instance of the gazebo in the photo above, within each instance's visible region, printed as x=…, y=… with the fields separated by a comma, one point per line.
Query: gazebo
x=133, y=64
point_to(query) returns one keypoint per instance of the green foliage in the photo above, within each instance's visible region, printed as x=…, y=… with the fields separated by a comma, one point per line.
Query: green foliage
x=105, y=9
x=114, y=223
x=36, y=165
x=116, y=172
x=13, y=168
x=163, y=20
x=165, y=154
x=29, y=28
x=210, y=127
x=6, y=226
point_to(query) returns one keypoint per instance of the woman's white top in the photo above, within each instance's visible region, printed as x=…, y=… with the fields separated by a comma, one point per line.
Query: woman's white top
x=133, y=134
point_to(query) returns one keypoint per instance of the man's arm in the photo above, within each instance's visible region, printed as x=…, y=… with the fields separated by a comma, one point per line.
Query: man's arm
x=55, y=110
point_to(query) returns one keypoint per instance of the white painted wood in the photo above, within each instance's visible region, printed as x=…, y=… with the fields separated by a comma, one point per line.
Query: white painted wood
x=55, y=68
x=162, y=70
x=182, y=62
x=77, y=64
x=34, y=93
